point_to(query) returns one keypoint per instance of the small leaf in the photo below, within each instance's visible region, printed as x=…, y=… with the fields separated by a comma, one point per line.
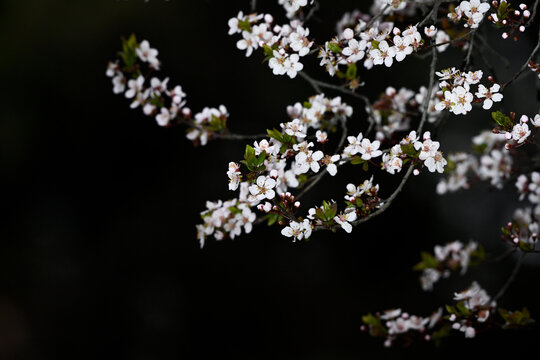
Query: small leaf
x=334, y=47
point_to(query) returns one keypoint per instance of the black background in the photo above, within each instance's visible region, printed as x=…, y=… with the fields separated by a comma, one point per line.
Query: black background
x=98, y=250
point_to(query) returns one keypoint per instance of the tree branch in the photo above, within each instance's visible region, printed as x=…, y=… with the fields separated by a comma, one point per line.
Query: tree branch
x=511, y=278
x=525, y=65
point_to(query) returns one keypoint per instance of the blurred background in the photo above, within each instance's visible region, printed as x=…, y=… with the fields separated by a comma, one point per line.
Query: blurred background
x=98, y=250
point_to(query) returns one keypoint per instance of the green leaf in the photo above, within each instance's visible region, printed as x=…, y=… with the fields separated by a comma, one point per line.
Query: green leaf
x=462, y=309
x=244, y=25
x=351, y=71
x=440, y=334
x=369, y=319
x=275, y=134
x=501, y=119
x=451, y=309
x=365, y=167
x=268, y=51
x=272, y=219
x=249, y=152
x=429, y=260
x=334, y=47
x=356, y=160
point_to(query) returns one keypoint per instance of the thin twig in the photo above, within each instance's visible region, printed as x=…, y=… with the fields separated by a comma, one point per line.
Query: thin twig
x=525, y=65
x=511, y=278
x=467, y=61
x=502, y=256
x=432, y=14
x=388, y=201
x=317, y=85
x=429, y=90
x=494, y=52
x=375, y=18
x=535, y=6
x=253, y=5
x=230, y=136
x=312, y=11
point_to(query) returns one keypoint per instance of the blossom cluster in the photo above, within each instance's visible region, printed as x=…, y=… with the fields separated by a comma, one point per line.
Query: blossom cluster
x=394, y=325
x=473, y=309
x=283, y=45
x=381, y=43
x=292, y=7
x=286, y=158
x=224, y=219
x=472, y=12
x=523, y=230
x=517, y=133
x=493, y=164
x=393, y=111
x=450, y=257
x=412, y=149
x=157, y=98
x=456, y=90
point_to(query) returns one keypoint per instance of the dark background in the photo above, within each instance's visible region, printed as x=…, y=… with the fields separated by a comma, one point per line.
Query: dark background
x=98, y=250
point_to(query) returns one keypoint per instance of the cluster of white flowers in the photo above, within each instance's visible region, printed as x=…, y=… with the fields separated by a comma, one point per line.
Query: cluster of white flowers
x=450, y=257
x=393, y=111
x=478, y=302
x=494, y=164
x=525, y=226
x=471, y=11
x=226, y=218
x=398, y=323
x=157, y=98
x=520, y=132
x=320, y=111
x=293, y=6
x=456, y=95
x=428, y=149
x=297, y=230
x=380, y=44
x=283, y=45
x=367, y=188
x=206, y=120
x=286, y=160
x=464, y=164
x=364, y=147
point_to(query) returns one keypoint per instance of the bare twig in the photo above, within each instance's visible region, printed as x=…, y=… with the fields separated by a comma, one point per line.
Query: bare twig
x=312, y=11
x=375, y=18
x=535, y=7
x=432, y=14
x=230, y=136
x=502, y=256
x=429, y=90
x=317, y=85
x=388, y=201
x=511, y=278
x=467, y=60
x=525, y=65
